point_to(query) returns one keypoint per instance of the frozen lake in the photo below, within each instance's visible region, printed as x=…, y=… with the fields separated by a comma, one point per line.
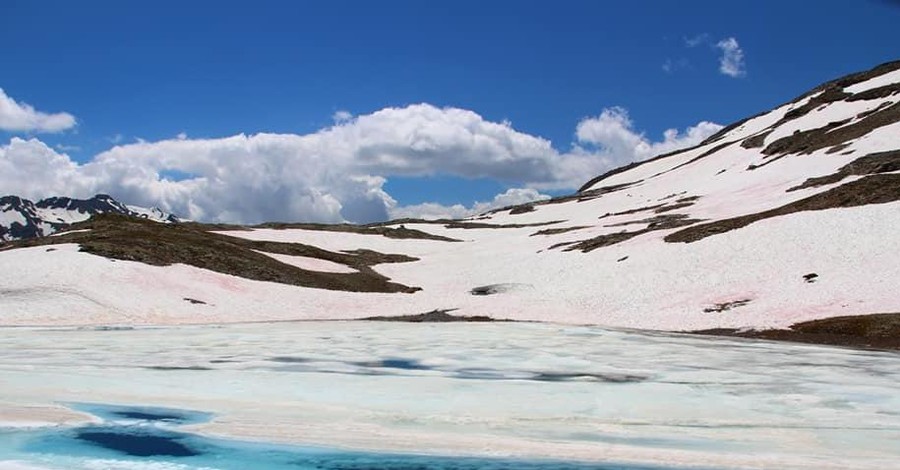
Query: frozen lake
x=354, y=395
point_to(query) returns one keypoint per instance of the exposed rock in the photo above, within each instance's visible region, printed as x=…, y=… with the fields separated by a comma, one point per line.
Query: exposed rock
x=434, y=316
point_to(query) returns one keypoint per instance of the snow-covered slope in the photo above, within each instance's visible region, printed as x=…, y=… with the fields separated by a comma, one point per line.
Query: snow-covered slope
x=21, y=218
x=788, y=216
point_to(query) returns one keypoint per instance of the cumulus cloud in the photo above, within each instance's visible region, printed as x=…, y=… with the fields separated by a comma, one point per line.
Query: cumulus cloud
x=337, y=173
x=432, y=211
x=610, y=140
x=22, y=117
x=731, y=58
x=731, y=62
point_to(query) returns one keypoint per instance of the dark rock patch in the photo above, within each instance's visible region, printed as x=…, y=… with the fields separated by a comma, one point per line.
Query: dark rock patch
x=873, y=189
x=834, y=133
x=434, y=316
x=632, y=211
x=810, y=278
x=557, y=231
x=660, y=222
x=621, y=259
x=194, y=301
x=679, y=204
x=524, y=208
x=875, y=331
x=876, y=93
x=756, y=140
x=726, y=306
x=874, y=163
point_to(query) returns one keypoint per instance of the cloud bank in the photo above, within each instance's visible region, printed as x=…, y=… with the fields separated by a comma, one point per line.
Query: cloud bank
x=338, y=173
x=21, y=117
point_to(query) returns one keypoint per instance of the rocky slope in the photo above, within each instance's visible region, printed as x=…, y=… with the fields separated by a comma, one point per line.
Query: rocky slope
x=22, y=219
x=786, y=217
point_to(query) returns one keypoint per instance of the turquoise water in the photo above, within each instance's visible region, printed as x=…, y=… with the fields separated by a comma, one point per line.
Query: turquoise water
x=148, y=437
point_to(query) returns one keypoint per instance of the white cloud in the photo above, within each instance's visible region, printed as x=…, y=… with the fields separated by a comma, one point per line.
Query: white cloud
x=67, y=148
x=696, y=40
x=31, y=169
x=22, y=117
x=431, y=210
x=341, y=116
x=611, y=138
x=337, y=173
x=731, y=62
x=671, y=66
x=182, y=136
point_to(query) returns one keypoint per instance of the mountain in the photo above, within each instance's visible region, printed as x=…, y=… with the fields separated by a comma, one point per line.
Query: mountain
x=21, y=218
x=789, y=216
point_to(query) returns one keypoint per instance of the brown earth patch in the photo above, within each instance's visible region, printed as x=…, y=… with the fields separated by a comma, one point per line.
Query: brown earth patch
x=557, y=231
x=660, y=222
x=876, y=93
x=873, y=189
x=834, y=133
x=874, y=163
x=524, y=208
x=434, y=316
x=756, y=141
x=875, y=331
x=132, y=239
x=726, y=306
x=679, y=204
x=632, y=211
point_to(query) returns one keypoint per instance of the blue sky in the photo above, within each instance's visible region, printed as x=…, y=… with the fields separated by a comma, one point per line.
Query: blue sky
x=149, y=71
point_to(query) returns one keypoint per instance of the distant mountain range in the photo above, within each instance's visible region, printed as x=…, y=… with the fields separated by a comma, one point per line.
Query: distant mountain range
x=21, y=218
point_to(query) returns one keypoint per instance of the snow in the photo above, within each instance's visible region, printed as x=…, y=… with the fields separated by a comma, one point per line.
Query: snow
x=62, y=216
x=482, y=389
x=84, y=230
x=155, y=214
x=660, y=286
x=9, y=217
x=877, y=82
x=311, y=264
x=643, y=282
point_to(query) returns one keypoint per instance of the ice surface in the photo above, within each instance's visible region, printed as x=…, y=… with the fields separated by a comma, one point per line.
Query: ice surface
x=512, y=390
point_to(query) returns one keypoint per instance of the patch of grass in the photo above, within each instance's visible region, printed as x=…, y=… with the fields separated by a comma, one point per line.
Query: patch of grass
x=875, y=331
x=131, y=239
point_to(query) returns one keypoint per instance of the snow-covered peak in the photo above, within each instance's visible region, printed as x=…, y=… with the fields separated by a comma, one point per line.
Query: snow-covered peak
x=21, y=218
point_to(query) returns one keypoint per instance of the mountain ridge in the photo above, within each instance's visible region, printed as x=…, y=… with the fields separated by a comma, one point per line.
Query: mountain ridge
x=21, y=218
x=782, y=218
